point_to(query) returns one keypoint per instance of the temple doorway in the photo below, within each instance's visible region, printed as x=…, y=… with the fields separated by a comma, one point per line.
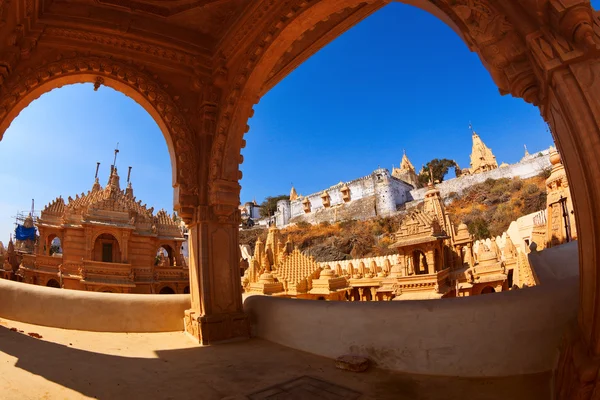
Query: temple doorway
x=53, y=283
x=419, y=261
x=488, y=289
x=106, y=249
x=166, y=290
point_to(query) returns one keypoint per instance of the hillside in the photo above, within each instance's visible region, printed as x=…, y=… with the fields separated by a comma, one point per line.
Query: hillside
x=487, y=208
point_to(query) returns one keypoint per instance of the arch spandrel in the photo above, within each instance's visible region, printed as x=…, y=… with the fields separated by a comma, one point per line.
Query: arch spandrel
x=26, y=84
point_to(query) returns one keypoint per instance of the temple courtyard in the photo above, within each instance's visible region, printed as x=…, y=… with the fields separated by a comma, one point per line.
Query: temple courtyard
x=67, y=364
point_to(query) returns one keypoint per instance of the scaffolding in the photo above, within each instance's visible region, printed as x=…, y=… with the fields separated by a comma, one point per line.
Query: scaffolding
x=22, y=216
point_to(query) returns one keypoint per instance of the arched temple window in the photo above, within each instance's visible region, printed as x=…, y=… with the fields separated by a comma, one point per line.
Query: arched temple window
x=53, y=245
x=53, y=283
x=488, y=289
x=106, y=249
x=165, y=256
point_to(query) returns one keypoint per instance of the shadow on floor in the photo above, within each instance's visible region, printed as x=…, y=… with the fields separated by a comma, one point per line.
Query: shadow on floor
x=233, y=371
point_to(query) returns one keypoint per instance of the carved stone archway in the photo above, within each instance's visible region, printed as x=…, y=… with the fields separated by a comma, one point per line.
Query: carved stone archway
x=200, y=75
x=546, y=52
x=487, y=33
x=19, y=91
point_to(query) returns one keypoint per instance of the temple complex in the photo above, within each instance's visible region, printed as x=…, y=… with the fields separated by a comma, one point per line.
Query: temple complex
x=199, y=68
x=433, y=260
x=109, y=242
x=383, y=193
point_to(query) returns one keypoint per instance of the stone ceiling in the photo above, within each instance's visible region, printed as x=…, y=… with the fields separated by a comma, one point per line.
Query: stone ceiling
x=209, y=18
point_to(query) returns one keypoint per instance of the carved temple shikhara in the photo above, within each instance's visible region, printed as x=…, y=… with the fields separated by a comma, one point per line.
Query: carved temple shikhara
x=109, y=242
x=199, y=67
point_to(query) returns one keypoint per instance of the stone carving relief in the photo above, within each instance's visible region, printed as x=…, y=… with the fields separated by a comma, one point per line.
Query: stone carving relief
x=230, y=102
x=179, y=56
x=498, y=43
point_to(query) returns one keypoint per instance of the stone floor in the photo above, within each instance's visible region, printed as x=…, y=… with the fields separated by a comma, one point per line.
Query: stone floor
x=65, y=364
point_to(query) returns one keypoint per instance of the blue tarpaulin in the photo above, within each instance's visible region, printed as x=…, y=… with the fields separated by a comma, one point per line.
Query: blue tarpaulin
x=22, y=233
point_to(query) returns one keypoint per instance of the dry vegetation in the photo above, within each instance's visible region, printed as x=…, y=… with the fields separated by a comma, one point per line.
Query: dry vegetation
x=487, y=208
x=337, y=241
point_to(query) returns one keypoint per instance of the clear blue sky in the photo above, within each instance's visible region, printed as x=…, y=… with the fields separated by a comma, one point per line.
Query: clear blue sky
x=352, y=107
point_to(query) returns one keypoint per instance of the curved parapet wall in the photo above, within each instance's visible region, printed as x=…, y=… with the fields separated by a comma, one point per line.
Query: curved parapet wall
x=92, y=311
x=502, y=334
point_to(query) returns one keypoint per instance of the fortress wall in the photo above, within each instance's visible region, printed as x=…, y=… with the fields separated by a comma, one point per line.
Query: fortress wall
x=525, y=169
x=391, y=192
x=360, y=209
x=378, y=194
x=359, y=189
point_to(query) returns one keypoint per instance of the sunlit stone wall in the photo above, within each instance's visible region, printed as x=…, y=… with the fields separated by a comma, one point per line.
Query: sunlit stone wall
x=528, y=167
x=377, y=194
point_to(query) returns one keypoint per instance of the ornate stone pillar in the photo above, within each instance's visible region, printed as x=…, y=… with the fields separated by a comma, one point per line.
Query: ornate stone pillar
x=125, y=247
x=374, y=294
x=569, y=65
x=430, y=257
x=573, y=112
x=216, y=312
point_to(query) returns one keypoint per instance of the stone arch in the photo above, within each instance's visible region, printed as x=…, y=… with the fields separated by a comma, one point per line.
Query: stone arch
x=113, y=233
x=166, y=290
x=487, y=289
x=23, y=88
x=171, y=255
x=47, y=243
x=114, y=255
x=53, y=283
x=252, y=80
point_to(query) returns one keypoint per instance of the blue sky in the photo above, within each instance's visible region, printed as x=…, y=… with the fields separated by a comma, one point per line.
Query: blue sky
x=354, y=106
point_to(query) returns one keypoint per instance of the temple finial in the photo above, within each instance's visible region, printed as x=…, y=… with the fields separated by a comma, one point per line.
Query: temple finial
x=430, y=175
x=471, y=127
x=128, y=174
x=97, y=168
x=116, y=152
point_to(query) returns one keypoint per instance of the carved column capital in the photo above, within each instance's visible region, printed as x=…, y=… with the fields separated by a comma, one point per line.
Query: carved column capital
x=574, y=20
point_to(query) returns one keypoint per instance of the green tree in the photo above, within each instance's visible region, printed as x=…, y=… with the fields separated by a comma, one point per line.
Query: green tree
x=439, y=168
x=269, y=206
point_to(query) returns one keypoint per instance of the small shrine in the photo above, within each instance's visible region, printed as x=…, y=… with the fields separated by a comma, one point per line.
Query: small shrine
x=106, y=240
